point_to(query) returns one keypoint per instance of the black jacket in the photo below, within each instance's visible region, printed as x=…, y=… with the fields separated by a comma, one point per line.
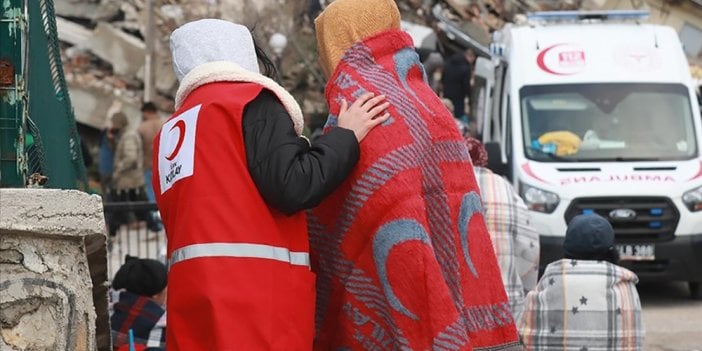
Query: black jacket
x=456, y=76
x=290, y=174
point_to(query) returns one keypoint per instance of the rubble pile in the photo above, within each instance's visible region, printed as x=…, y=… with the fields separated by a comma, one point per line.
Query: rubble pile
x=103, y=47
x=103, y=43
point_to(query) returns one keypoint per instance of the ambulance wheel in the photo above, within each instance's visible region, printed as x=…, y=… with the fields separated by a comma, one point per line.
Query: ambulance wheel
x=695, y=290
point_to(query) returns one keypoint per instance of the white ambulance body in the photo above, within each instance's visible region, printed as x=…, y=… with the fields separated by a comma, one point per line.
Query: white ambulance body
x=589, y=113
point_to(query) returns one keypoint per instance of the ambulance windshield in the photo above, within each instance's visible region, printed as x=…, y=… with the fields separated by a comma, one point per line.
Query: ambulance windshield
x=607, y=122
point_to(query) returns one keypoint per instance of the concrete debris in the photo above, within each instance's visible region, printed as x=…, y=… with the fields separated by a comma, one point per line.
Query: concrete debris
x=165, y=78
x=10, y=257
x=92, y=103
x=37, y=323
x=87, y=9
x=132, y=18
x=461, y=7
x=47, y=301
x=29, y=210
x=32, y=260
x=104, y=64
x=10, y=314
x=120, y=49
x=72, y=33
x=172, y=14
x=108, y=61
x=166, y=81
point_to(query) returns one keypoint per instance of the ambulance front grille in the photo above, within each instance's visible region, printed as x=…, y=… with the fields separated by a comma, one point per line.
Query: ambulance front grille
x=655, y=218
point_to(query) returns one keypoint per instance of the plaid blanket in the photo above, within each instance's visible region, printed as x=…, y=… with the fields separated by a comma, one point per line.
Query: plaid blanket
x=583, y=306
x=402, y=256
x=515, y=241
x=146, y=318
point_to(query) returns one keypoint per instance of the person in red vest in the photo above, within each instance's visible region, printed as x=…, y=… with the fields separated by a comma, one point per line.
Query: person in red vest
x=231, y=176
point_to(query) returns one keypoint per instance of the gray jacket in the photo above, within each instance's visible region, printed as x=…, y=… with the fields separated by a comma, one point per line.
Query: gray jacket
x=128, y=170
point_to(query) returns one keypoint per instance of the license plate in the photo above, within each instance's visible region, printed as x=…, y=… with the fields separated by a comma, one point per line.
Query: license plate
x=636, y=252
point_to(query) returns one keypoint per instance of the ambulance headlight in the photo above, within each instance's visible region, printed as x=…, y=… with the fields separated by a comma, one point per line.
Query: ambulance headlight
x=693, y=199
x=537, y=199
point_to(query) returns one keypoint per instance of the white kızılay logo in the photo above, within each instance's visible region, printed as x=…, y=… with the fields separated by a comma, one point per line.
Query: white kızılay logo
x=176, y=154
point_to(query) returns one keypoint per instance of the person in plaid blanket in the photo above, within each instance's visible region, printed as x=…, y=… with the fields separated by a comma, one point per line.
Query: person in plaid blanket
x=584, y=301
x=142, y=296
x=515, y=241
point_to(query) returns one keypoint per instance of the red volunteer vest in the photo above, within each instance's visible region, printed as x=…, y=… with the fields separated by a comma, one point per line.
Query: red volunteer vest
x=239, y=274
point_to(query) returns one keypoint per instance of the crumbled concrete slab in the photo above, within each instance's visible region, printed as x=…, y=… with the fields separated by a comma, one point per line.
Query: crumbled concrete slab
x=123, y=51
x=93, y=105
x=50, y=211
x=91, y=10
x=72, y=33
x=52, y=260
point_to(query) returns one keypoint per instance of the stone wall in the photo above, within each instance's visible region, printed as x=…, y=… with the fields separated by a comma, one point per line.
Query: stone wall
x=52, y=271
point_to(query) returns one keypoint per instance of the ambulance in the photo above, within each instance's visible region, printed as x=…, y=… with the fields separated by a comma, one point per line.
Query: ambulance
x=596, y=112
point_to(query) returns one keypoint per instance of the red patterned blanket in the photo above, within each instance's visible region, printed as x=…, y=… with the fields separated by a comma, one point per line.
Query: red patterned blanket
x=402, y=256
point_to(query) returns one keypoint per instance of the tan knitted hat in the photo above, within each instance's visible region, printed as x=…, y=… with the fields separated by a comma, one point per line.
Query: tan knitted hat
x=346, y=22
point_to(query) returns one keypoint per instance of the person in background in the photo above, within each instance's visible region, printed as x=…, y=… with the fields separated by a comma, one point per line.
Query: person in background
x=87, y=156
x=314, y=7
x=515, y=241
x=128, y=173
x=148, y=128
x=106, y=156
x=433, y=62
x=391, y=245
x=584, y=301
x=455, y=81
x=449, y=106
x=232, y=176
x=141, y=285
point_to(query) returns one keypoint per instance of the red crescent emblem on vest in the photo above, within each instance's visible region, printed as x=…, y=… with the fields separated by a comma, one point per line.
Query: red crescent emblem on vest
x=181, y=137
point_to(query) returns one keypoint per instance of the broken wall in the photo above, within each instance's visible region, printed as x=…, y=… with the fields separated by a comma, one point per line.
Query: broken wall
x=53, y=281
x=104, y=49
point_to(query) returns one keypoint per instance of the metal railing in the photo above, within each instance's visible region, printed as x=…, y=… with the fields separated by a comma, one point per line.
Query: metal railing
x=134, y=238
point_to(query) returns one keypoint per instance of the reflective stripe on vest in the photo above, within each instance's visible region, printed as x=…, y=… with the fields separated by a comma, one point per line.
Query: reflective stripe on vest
x=240, y=250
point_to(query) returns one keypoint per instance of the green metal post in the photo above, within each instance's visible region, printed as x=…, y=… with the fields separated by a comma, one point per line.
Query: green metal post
x=57, y=152
x=38, y=133
x=13, y=92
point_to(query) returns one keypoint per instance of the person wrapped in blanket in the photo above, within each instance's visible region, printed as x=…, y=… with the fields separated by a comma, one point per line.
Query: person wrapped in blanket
x=401, y=252
x=584, y=301
x=141, y=285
